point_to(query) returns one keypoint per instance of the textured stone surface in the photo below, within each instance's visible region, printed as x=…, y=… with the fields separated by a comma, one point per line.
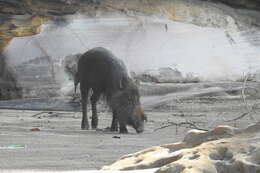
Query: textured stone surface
x=224, y=149
x=197, y=12
x=8, y=87
x=248, y=4
x=165, y=75
x=25, y=26
x=19, y=27
x=31, y=12
x=59, y=7
x=20, y=18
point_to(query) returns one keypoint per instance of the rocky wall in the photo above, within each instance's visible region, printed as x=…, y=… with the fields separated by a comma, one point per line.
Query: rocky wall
x=20, y=18
x=8, y=84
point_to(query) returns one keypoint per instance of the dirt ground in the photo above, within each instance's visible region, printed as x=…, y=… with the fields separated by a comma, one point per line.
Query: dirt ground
x=53, y=140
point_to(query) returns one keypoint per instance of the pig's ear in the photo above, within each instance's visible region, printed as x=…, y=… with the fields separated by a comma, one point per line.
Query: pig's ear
x=123, y=82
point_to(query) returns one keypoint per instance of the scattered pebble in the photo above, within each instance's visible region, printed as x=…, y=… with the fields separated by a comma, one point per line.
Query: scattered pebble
x=35, y=129
x=117, y=137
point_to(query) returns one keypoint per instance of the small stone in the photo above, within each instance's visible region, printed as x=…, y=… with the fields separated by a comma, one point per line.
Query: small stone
x=35, y=129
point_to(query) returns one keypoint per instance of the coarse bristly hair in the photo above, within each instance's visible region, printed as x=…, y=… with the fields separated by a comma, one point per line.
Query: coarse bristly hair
x=101, y=71
x=113, y=69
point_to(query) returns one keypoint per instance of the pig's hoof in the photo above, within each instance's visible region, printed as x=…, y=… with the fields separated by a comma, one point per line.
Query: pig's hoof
x=84, y=128
x=94, y=126
x=123, y=131
x=113, y=129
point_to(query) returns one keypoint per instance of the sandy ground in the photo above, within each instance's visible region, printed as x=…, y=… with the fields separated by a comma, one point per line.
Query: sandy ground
x=53, y=140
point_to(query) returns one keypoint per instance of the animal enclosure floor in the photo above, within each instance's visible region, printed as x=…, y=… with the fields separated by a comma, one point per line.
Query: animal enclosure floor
x=56, y=142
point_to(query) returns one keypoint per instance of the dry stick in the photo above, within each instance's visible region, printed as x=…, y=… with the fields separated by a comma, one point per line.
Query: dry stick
x=237, y=118
x=39, y=113
x=53, y=113
x=191, y=125
x=249, y=110
x=244, y=114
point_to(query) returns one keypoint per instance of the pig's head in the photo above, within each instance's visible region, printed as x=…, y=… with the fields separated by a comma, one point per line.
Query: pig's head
x=126, y=102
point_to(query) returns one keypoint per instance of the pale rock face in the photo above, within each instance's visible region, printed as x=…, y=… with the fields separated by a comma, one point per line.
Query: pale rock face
x=165, y=75
x=25, y=18
x=257, y=76
x=162, y=75
x=223, y=149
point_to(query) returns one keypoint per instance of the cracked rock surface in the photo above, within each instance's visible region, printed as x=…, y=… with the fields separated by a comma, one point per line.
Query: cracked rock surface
x=223, y=149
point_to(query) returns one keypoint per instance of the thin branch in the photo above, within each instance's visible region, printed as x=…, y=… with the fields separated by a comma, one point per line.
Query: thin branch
x=249, y=110
x=39, y=113
x=52, y=114
x=237, y=118
x=191, y=125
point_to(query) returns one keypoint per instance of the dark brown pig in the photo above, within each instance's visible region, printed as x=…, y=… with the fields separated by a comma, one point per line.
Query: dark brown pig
x=101, y=71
